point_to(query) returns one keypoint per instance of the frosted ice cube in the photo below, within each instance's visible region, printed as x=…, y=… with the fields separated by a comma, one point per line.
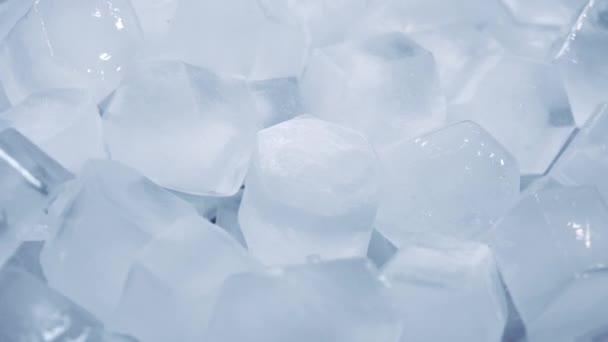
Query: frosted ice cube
x=529, y=41
x=102, y=219
x=380, y=249
x=385, y=86
x=456, y=181
x=155, y=17
x=585, y=160
x=559, y=13
x=31, y=311
x=64, y=123
x=39, y=53
x=311, y=190
x=27, y=258
x=227, y=217
x=173, y=279
x=276, y=100
x=548, y=241
x=583, y=60
x=524, y=105
x=28, y=181
x=185, y=128
x=10, y=13
x=4, y=102
x=340, y=301
x=447, y=290
x=235, y=37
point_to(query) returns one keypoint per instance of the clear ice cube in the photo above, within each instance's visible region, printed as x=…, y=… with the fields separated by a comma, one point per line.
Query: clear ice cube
x=100, y=222
x=44, y=50
x=311, y=190
x=385, y=86
x=64, y=123
x=433, y=279
x=339, y=301
x=456, y=181
x=524, y=105
x=185, y=128
x=546, y=243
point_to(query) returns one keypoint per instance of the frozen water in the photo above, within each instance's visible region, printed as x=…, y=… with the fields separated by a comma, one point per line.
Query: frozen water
x=456, y=181
x=433, y=278
x=40, y=52
x=276, y=100
x=583, y=59
x=547, y=243
x=523, y=104
x=339, y=301
x=27, y=258
x=227, y=217
x=185, y=128
x=64, y=123
x=529, y=41
x=561, y=13
x=311, y=190
x=385, y=86
x=31, y=311
x=380, y=249
x=174, y=275
x=28, y=181
x=4, y=102
x=101, y=221
x=10, y=13
x=585, y=160
x=235, y=37
x=155, y=17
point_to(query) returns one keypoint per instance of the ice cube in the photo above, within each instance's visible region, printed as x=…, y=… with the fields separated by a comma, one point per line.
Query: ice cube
x=456, y=181
x=10, y=13
x=528, y=41
x=227, y=217
x=31, y=311
x=583, y=60
x=101, y=221
x=27, y=258
x=155, y=17
x=447, y=290
x=235, y=37
x=28, y=181
x=276, y=100
x=585, y=160
x=385, y=86
x=311, y=190
x=524, y=105
x=185, y=128
x=64, y=123
x=560, y=13
x=548, y=241
x=174, y=278
x=340, y=301
x=44, y=50
x=380, y=249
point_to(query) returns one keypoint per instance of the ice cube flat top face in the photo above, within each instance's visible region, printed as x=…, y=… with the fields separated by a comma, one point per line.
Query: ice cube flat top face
x=385, y=86
x=549, y=239
x=524, y=105
x=39, y=52
x=432, y=278
x=456, y=181
x=184, y=127
x=343, y=301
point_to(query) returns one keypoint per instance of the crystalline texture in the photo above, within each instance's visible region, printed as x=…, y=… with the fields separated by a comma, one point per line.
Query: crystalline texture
x=28, y=180
x=39, y=53
x=185, y=128
x=385, y=86
x=523, y=104
x=64, y=123
x=311, y=190
x=547, y=243
x=101, y=221
x=433, y=279
x=456, y=181
x=340, y=301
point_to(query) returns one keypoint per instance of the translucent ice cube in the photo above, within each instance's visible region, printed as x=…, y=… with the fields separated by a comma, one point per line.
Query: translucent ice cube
x=173, y=278
x=340, y=301
x=585, y=160
x=63, y=123
x=524, y=105
x=311, y=190
x=385, y=86
x=434, y=279
x=276, y=100
x=561, y=13
x=102, y=219
x=546, y=244
x=10, y=13
x=456, y=181
x=227, y=217
x=155, y=17
x=28, y=181
x=380, y=249
x=185, y=128
x=44, y=50
x=583, y=60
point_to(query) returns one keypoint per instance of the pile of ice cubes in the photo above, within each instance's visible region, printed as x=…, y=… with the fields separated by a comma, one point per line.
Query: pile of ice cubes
x=303, y=170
